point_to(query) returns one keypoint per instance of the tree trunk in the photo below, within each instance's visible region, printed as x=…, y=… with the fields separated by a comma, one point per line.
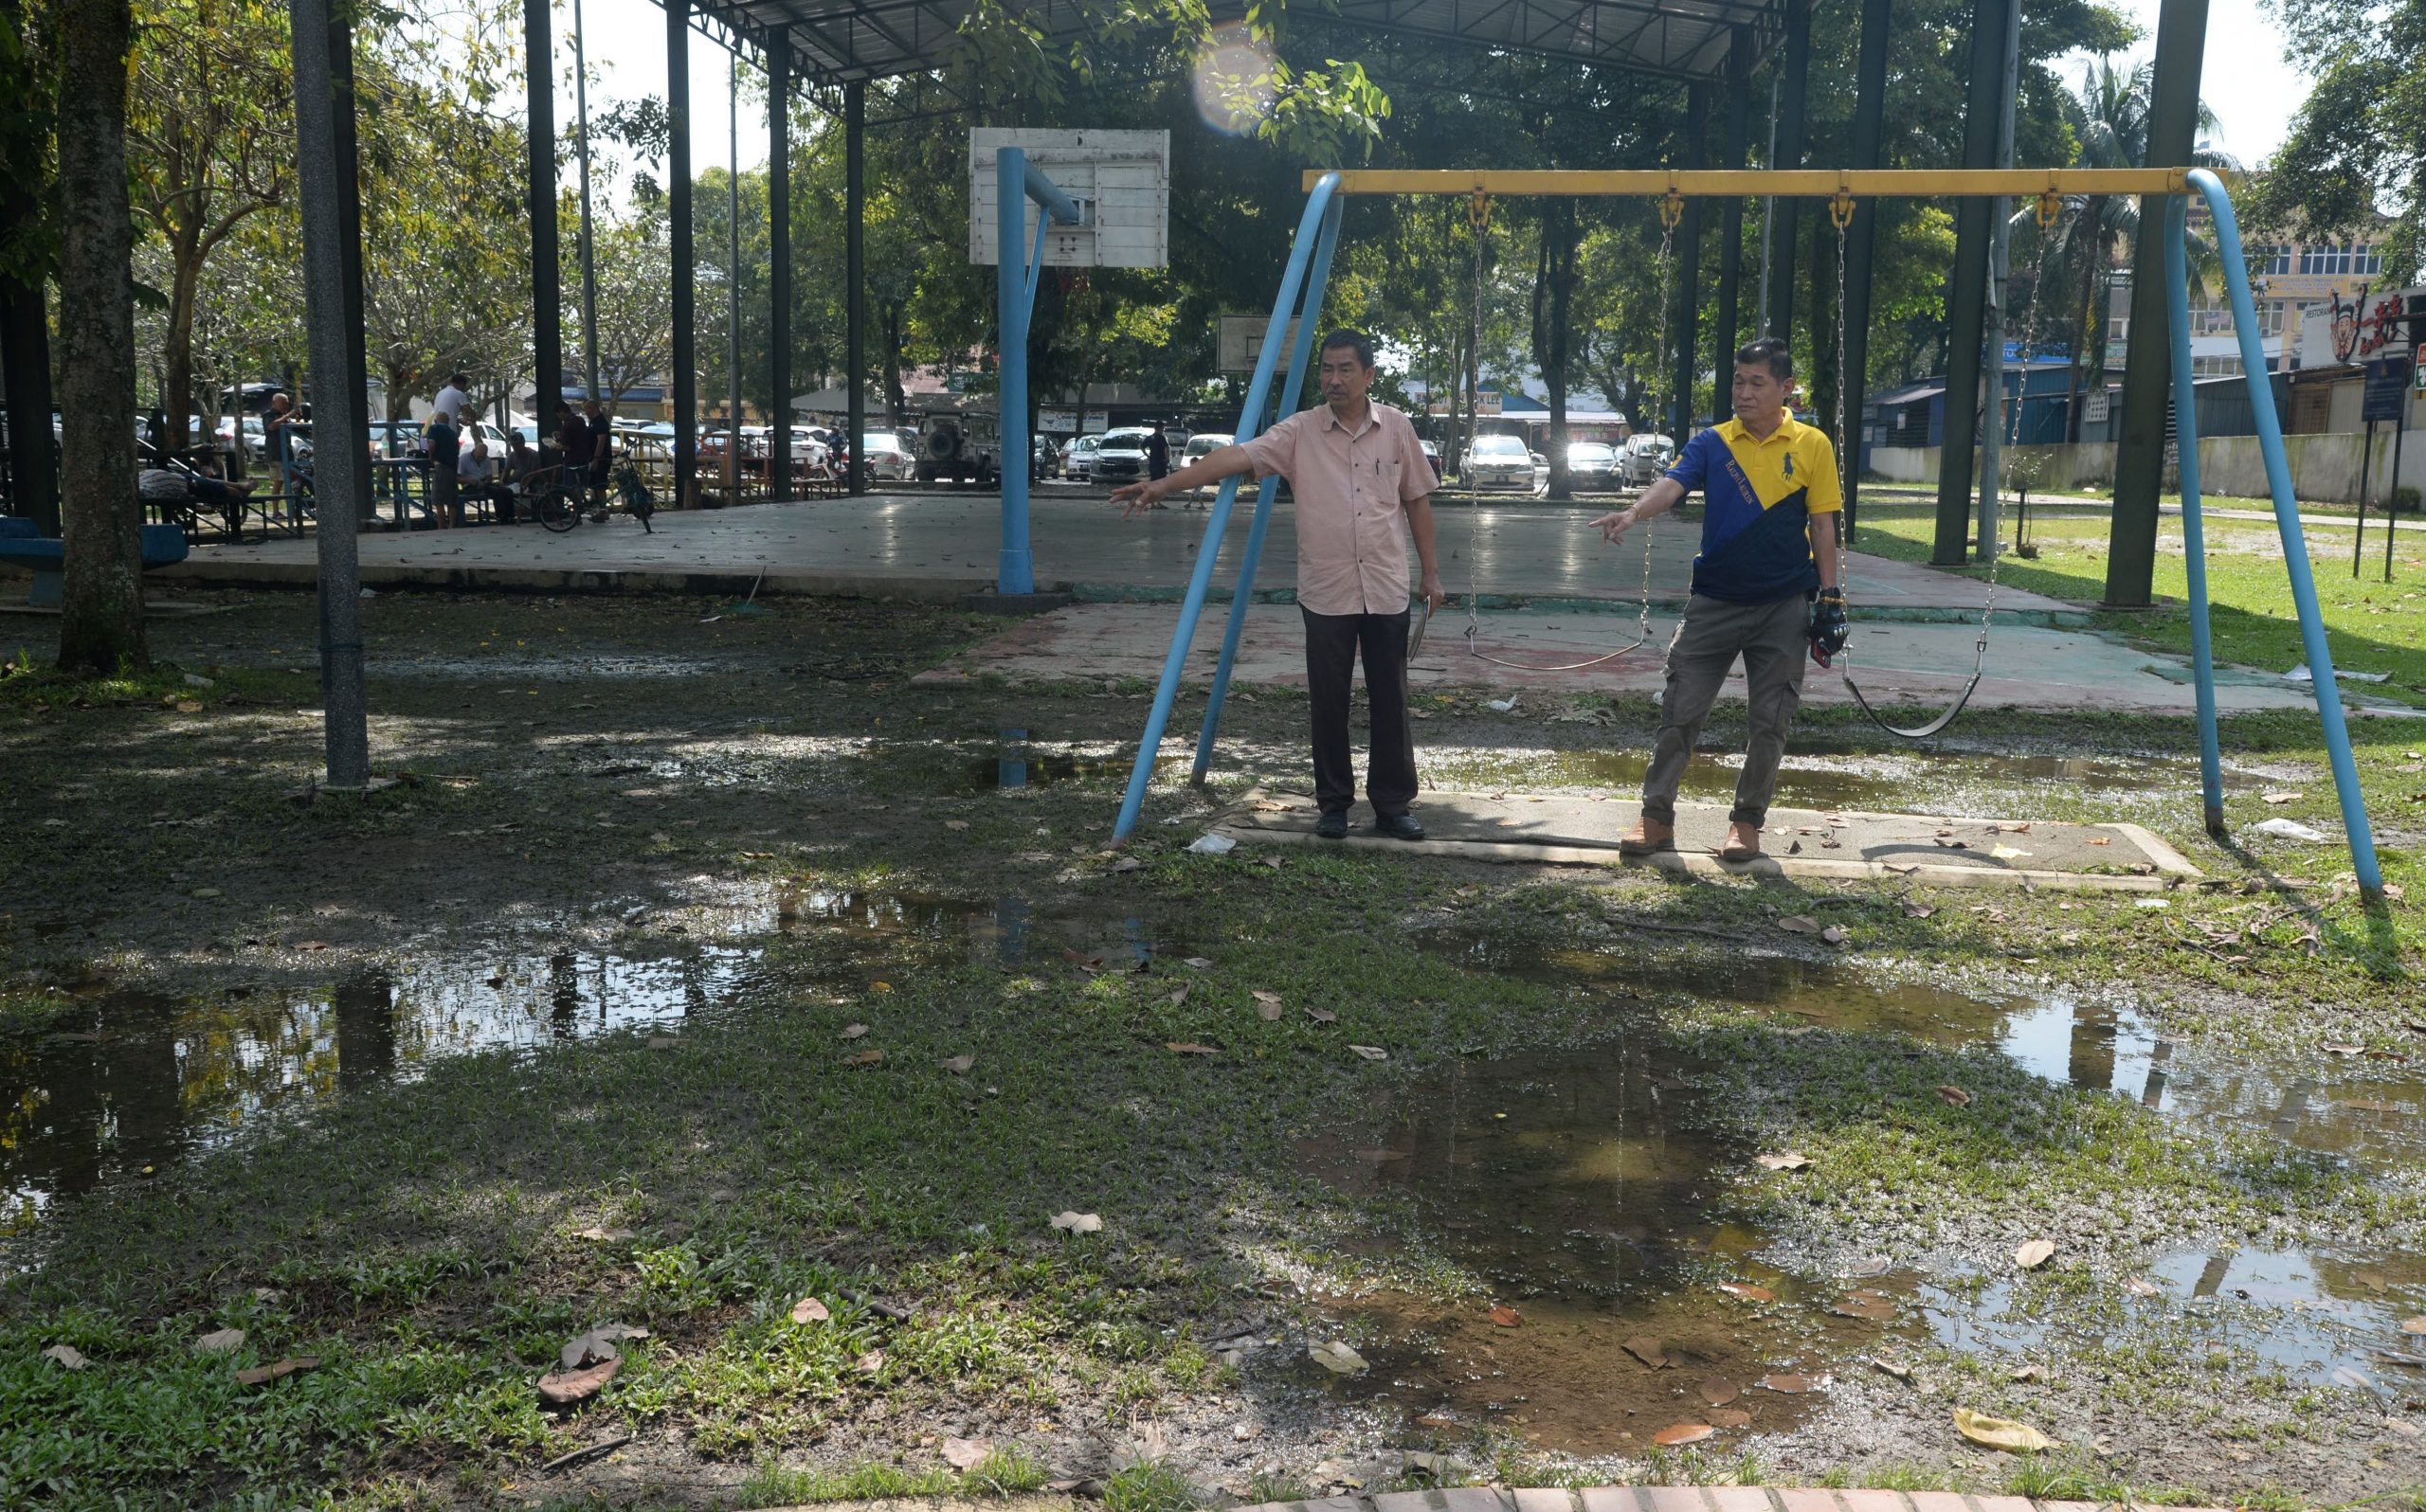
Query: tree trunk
x=1553, y=300
x=2081, y=334
x=100, y=626
x=176, y=345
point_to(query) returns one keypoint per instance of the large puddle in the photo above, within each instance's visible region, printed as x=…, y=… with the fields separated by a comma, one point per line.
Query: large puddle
x=1582, y=1191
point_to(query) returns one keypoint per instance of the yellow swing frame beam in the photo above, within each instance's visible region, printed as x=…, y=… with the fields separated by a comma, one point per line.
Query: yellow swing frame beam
x=1809, y=183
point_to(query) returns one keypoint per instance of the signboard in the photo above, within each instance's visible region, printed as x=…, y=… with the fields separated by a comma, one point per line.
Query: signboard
x=2340, y=331
x=1057, y=422
x=1242, y=341
x=2095, y=407
x=1486, y=400
x=2388, y=386
x=1096, y=422
x=1122, y=180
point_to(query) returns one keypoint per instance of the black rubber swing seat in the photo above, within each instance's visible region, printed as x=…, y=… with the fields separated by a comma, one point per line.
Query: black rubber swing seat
x=1937, y=725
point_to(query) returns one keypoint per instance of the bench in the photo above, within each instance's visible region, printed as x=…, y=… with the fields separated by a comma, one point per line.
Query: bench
x=22, y=543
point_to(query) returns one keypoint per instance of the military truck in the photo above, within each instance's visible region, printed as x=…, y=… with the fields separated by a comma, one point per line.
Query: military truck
x=964, y=448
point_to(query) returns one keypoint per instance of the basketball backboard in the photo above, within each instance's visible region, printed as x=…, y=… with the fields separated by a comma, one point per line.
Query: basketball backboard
x=1125, y=176
x=1240, y=341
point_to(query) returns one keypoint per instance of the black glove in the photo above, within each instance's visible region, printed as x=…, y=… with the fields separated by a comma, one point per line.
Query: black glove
x=1829, y=626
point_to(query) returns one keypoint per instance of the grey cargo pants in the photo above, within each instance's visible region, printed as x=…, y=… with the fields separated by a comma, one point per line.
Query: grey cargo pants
x=1772, y=639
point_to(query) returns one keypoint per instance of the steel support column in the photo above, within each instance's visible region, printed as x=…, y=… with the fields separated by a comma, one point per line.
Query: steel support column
x=25, y=373
x=328, y=178
x=1731, y=231
x=779, y=261
x=1966, y=304
x=685, y=271
x=855, y=220
x=547, y=296
x=1861, y=240
x=1685, y=322
x=1793, y=119
x=2138, y=457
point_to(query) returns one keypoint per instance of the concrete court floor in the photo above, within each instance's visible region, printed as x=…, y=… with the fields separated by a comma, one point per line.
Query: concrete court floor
x=944, y=545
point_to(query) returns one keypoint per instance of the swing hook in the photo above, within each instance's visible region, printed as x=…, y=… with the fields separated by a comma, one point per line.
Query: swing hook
x=1840, y=208
x=1672, y=208
x=1479, y=210
x=2050, y=208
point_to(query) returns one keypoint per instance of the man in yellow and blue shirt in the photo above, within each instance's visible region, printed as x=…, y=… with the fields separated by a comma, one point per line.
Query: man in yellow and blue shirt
x=1765, y=588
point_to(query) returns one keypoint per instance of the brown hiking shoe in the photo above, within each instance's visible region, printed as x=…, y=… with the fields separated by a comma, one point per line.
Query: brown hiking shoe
x=1648, y=837
x=1743, y=844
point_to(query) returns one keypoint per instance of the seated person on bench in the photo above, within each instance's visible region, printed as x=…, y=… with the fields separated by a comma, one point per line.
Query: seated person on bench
x=479, y=476
x=162, y=485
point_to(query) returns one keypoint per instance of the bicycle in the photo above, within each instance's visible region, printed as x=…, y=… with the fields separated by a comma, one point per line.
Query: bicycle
x=635, y=495
x=552, y=504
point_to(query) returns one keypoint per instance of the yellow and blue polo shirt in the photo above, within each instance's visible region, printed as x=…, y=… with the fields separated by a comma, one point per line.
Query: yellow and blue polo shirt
x=1759, y=497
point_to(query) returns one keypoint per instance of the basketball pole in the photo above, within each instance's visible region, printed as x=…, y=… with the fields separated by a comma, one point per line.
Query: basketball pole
x=1017, y=181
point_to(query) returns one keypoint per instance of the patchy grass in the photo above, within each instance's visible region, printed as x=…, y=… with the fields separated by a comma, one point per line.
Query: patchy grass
x=425, y=1237
x=2371, y=627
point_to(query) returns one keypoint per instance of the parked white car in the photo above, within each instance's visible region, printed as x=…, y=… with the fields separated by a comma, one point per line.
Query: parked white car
x=1078, y=457
x=1644, y=459
x=1499, y=462
x=887, y=458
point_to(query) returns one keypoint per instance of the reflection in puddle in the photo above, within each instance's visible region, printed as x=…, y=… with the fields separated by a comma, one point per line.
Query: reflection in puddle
x=1013, y=761
x=1582, y=1191
x=131, y=1082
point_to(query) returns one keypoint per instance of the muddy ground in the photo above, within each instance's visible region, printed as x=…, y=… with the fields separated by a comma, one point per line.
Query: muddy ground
x=359, y=1074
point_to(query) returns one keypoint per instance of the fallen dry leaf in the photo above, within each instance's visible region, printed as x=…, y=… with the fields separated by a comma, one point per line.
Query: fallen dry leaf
x=2345, y=1376
x=1180, y=997
x=1675, y=1434
x=865, y=1058
x=600, y=1235
x=1506, y=1317
x=2337, y=1048
x=1370, y=1051
x=1999, y=1432
x=1955, y=1095
x=1267, y=1005
x=869, y=1363
x=1320, y=1015
x=1799, y=923
x=854, y=1030
x=2141, y=1286
x=2034, y=1254
x=1337, y=1358
x=1747, y=1291
x=2413, y=1325
x=966, y=1453
x=1918, y=910
x=220, y=1342
x=1649, y=1349
x=1189, y=1046
x=2101, y=840
x=958, y=1065
x=1074, y=1222
x=1197, y=963
x=1718, y=1390
x=1785, y=1160
x=571, y=1388
x=1791, y=1385
x=1893, y=1367
x=955, y=825
x=68, y=1356
x=1834, y=935
x=1870, y=1307
x=263, y=1374
x=2281, y=798
x=809, y=1310
x=1728, y=1417
x=2027, y=1373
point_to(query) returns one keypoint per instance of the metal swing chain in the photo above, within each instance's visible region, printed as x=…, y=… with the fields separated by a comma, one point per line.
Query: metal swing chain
x=1671, y=212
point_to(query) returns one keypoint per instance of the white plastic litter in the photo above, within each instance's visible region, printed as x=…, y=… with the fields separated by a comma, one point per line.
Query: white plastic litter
x=1505, y=706
x=1213, y=845
x=2288, y=829
x=2300, y=674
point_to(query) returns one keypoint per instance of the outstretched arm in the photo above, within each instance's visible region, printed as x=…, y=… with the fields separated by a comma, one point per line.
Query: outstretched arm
x=1658, y=500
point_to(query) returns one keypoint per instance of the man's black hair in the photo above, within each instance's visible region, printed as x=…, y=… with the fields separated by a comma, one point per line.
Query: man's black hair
x=1767, y=351
x=459, y=379
x=1358, y=340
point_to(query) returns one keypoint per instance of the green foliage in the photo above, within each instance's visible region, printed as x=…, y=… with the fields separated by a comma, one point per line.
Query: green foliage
x=2358, y=145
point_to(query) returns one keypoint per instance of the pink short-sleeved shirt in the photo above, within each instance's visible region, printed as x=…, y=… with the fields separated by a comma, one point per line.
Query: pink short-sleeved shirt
x=1352, y=489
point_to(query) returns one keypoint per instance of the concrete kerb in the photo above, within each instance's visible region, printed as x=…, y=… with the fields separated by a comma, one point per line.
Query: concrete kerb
x=1682, y=1499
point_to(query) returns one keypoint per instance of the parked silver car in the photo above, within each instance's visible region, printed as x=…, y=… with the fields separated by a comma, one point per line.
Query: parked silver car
x=1122, y=456
x=1644, y=459
x=1499, y=462
x=1592, y=464
x=1078, y=457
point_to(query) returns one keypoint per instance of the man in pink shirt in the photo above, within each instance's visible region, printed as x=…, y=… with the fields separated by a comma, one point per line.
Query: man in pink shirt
x=1362, y=486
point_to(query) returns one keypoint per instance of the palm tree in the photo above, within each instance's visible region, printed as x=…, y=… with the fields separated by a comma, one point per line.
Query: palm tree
x=2109, y=118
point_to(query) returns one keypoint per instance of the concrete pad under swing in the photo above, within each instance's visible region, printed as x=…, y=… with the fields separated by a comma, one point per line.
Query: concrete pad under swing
x=1579, y=829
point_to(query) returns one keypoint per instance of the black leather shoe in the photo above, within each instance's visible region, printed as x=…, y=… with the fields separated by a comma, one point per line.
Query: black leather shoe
x=1331, y=827
x=1399, y=827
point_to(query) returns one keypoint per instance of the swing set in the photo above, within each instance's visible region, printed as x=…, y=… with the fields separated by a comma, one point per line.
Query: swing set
x=1298, y=307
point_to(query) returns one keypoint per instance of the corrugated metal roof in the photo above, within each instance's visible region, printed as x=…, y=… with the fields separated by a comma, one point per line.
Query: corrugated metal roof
x=840, y=41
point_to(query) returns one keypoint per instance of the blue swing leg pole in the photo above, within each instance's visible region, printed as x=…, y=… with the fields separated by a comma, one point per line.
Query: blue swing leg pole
x=1310, y=309
x=2194, y=531
x=1149, y=744
x=2295, y=550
